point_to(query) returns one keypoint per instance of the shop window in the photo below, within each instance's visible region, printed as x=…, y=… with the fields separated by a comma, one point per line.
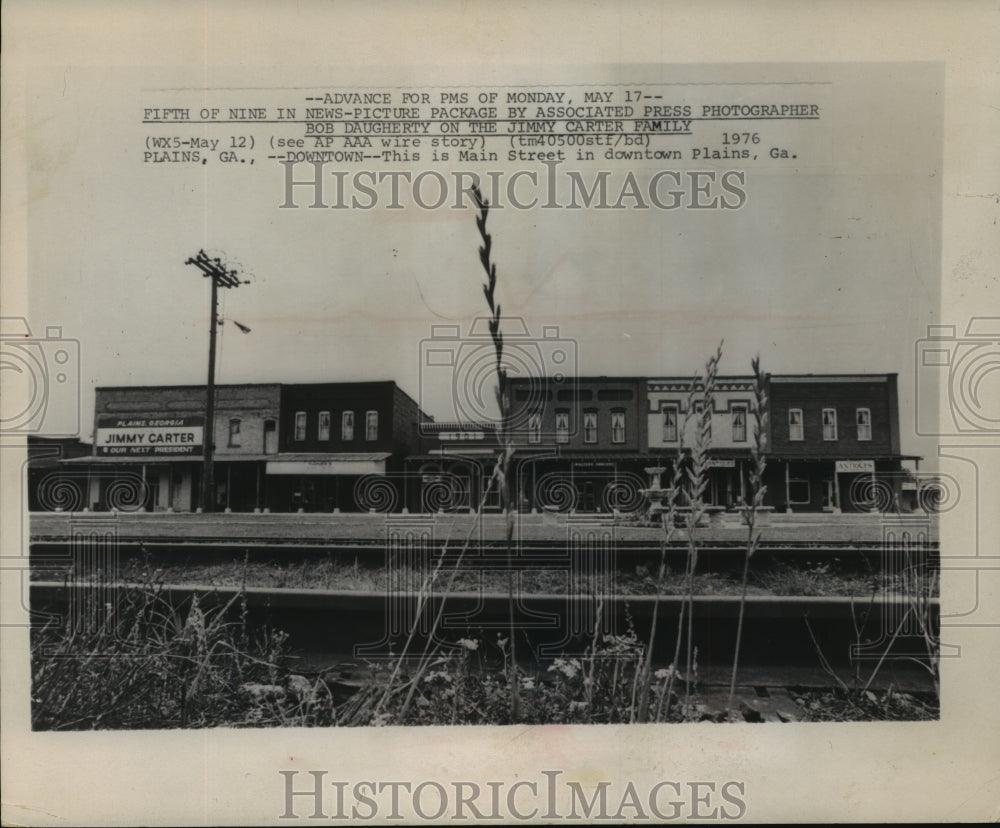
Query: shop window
x=739, y=424
x=324, y=425
x=300, y=425
x=234, y=433
x=618, y=426
x=347, y=425
x=798, y=492
x=795, y=430
x=590, y=426
x=864, y=420
x=829, y=424
x=371, y=426
x=534, y=427
x=670, y=424
x=562, y=425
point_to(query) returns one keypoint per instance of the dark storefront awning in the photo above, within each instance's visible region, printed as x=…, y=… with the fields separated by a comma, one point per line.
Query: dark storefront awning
x=132, y=460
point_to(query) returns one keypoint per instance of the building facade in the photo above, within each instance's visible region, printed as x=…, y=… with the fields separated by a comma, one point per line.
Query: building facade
x=149, y=441
x=834, y=443
x=453, y=468
x=276, y=447
x=580, y=443
x=342, y=446
x=585, y=444
x=673, y=409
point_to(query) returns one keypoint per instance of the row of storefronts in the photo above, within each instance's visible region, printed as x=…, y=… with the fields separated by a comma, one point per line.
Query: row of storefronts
x=581, y=444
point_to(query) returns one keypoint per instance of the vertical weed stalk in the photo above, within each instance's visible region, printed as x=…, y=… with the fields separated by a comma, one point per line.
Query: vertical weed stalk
x=756, y=491
x=504, y=470
x=693, y=484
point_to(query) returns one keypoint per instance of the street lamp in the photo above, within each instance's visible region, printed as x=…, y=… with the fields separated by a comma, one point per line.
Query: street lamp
x=214, y=270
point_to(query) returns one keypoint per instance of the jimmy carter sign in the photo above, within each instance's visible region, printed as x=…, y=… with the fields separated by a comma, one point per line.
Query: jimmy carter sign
x=137, y=436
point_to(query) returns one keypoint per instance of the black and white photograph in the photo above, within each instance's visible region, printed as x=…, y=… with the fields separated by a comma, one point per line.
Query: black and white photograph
x=453, y=414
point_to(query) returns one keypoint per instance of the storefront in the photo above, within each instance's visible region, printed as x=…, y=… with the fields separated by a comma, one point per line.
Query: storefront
x=342, y=482
x=589, y=483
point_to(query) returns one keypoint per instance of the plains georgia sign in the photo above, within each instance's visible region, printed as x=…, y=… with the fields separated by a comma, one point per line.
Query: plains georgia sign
x=137, y=436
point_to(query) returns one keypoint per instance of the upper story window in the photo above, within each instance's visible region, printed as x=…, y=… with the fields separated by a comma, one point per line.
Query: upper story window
x=371, y=425
x=300, y=425
x=739, y=424
x=590, y=426
x=562, y=425
x=534, y=427
x=347, y=425
x=618, y=425
x=864, y=420
x=270, y=436
x=670, y=424
x=795, y=430
x=234, y=433
x=323, y=432
x=829, y=424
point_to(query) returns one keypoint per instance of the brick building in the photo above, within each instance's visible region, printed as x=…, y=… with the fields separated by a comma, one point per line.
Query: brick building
x=277, y=447
x=452, y=469
x=342, y=446
x=580, y=442
x=149, y=444
x=834, y=442
x=587, y=444
x=672, y=417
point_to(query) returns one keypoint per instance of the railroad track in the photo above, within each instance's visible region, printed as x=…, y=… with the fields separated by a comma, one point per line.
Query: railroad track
x=782, y=639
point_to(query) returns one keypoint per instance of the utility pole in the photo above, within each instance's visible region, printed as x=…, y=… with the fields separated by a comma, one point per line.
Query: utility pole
x=220, y=277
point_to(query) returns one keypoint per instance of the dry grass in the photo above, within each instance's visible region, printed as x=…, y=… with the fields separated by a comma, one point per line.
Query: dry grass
x=807, y=578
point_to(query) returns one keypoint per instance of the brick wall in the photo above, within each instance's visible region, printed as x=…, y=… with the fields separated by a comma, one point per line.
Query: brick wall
x=601, y=396
x=845, y=397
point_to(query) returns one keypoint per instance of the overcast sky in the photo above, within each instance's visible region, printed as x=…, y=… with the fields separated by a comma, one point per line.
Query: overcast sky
x=831, y=266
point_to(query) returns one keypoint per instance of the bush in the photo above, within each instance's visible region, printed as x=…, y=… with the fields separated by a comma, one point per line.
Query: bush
x=148, y=664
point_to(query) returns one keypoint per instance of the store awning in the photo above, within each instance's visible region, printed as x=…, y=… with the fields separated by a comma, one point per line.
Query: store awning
x=131, y=460
x=878, y=458
x=355, y=463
